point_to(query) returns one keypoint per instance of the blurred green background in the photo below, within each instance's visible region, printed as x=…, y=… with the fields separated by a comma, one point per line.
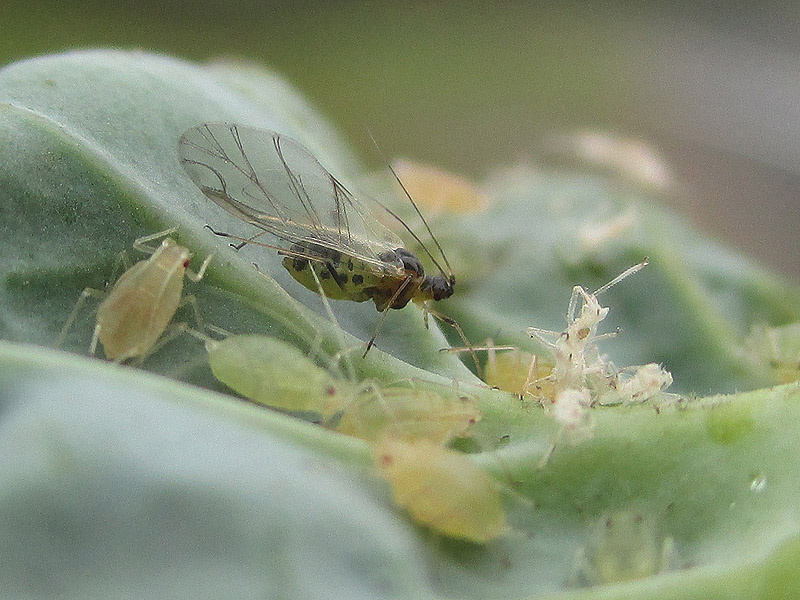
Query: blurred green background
x=471, y=86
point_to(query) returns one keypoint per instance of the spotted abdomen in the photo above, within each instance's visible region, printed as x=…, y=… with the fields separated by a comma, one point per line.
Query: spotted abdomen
x=344, y=277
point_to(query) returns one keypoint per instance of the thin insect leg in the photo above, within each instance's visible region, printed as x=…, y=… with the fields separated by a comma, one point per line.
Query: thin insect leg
x=219, y=331
x=95, y=337
x=251, y=240
x=529, y=376
x=461, y=334
x=539, y=335
x=547, y=455
x=121, y=264
x=572, y=307
x=386, y=312
x=488, y=348
x=337, y=327
x=491, y=357
x=141, y=245
x=191, y=300
x=201, y=271
x=173, y=331
x=244, y=243
x=605, y=336
x=85, y=295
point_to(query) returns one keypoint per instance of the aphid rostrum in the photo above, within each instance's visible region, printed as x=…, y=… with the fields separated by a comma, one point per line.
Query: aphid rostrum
x=275, y=184
x=134, y=314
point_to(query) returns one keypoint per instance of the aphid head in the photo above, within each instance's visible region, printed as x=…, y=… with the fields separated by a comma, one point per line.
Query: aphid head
x=170, y=251
x=439, y=286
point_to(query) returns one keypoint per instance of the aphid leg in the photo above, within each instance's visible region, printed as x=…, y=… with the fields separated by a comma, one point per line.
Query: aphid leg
x=219, y=331
x=540, y=335
x=121, y=264
x=85, y=295
x=605, y=336
x=242, y=241
x=198, y=318
x=93, y=342
x=201, y=271
x=461, y=334
x=249, y=240
x=141, y=243
x=394, y=297
x=572, y=307
x=529, y=377
x=341, y=354
x=547, y=455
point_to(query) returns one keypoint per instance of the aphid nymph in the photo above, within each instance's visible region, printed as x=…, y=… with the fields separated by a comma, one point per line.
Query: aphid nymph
x=442, y=489
x=136, y=311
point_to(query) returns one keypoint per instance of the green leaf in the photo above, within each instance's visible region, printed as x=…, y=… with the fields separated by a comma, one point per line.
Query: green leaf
x=119, y=482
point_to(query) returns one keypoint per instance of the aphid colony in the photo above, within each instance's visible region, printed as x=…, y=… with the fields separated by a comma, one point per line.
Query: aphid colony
x=407, y=427
x=333, y=246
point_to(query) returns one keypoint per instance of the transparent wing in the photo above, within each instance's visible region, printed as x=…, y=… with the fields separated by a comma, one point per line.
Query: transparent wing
x=274, y=183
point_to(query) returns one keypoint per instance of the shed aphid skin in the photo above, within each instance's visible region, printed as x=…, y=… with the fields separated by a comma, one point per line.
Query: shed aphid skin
x=442, y=489
x=135, y=313
x=635, y=385
x=580, y=377
x=273, y=183
x=574, y=351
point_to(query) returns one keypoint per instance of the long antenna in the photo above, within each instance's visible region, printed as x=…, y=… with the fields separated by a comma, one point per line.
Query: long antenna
x=416, y=209
x=630, y=271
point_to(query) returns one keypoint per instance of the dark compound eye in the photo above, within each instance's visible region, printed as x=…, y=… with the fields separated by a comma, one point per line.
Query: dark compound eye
x=442, y=288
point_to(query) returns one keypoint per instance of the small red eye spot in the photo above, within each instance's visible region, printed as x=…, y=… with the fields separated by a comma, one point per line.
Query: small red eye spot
x=386, y=459
x=331, y=391
x=186, y=264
